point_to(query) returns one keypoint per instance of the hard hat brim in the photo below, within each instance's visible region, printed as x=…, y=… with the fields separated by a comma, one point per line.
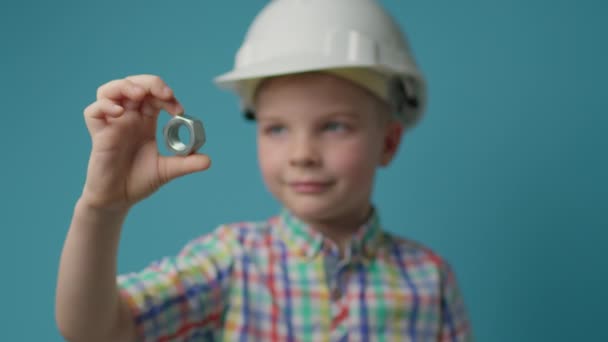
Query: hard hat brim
x=292, y=65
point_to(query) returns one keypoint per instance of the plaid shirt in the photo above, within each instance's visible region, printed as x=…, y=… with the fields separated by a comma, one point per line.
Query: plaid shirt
x=281, y=281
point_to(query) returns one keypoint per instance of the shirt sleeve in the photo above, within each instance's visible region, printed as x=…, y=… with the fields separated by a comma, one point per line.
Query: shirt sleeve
x=182, y=296
x=455, y=324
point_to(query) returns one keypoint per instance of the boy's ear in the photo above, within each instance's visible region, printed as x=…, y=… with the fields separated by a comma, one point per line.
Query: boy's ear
x=392, y=139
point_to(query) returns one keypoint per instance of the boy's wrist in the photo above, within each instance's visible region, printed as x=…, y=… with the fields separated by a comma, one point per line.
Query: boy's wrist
x=87, y=208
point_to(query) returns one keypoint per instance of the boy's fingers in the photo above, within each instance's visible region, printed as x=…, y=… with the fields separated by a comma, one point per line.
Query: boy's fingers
x=136, y=89
x=103, y=107
x=153, y=85
x=96, y=113
x=152, y=106
x=121, y=89
x=176, y=166
x=131, y=105
x=148, y=109
x=171, y=107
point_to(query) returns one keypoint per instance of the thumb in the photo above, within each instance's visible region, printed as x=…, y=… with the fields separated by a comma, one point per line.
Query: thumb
x=176, y=166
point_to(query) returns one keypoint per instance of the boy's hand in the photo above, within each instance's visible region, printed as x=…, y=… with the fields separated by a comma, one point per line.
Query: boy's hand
x=125, y=165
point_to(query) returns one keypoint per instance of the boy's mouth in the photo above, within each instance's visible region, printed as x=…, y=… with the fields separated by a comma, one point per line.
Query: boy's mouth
x=309, y=187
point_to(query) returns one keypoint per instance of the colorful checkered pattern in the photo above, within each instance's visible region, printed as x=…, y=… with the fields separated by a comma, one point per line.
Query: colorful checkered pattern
x=281, y=281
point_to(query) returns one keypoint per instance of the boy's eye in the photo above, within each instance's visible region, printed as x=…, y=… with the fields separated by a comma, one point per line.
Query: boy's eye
x=274, y=129
x=335, y=126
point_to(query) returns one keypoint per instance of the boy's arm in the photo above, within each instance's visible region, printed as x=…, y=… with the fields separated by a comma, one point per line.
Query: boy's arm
x=124, y=167
x=171, y=298
x=455, y=324
x=88, y=306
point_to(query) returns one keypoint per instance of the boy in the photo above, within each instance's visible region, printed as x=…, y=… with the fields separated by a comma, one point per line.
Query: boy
x=331, y=99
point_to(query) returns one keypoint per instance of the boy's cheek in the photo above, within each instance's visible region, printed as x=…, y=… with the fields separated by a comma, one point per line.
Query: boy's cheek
x=269, y=162
x=357, y=164
x=357, y=153
x=266, y=152
x=267, y=165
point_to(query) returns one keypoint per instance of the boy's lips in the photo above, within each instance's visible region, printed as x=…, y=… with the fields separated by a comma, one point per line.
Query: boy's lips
x=309, y=187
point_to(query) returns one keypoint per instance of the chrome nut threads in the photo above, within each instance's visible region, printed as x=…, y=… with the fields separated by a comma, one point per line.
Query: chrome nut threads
x=195, y=130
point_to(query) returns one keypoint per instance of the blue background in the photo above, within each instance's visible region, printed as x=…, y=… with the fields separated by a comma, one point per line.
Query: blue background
x=505, y=176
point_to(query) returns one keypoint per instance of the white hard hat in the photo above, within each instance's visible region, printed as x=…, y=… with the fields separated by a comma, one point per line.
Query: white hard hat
x=354, y=39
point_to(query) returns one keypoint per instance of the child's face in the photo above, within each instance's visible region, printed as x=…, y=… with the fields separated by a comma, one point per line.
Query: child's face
x=320, y=139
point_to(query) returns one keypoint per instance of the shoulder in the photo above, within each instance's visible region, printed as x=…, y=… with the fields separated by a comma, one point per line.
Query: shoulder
x=418, y=264
x=412, y=254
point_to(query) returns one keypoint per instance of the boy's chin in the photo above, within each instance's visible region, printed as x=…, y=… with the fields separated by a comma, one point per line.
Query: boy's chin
x=313, y=212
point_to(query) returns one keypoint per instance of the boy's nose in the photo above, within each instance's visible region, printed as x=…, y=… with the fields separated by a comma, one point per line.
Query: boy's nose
x=304, y=152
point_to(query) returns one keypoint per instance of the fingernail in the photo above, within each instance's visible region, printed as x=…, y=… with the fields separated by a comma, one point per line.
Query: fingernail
x=166, y=91
x=179, y=109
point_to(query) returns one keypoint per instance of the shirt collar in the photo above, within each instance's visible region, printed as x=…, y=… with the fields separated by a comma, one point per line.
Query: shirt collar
x=307, y=242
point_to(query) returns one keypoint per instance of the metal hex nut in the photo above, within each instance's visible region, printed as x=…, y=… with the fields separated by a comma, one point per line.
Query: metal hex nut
x=195, y=130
